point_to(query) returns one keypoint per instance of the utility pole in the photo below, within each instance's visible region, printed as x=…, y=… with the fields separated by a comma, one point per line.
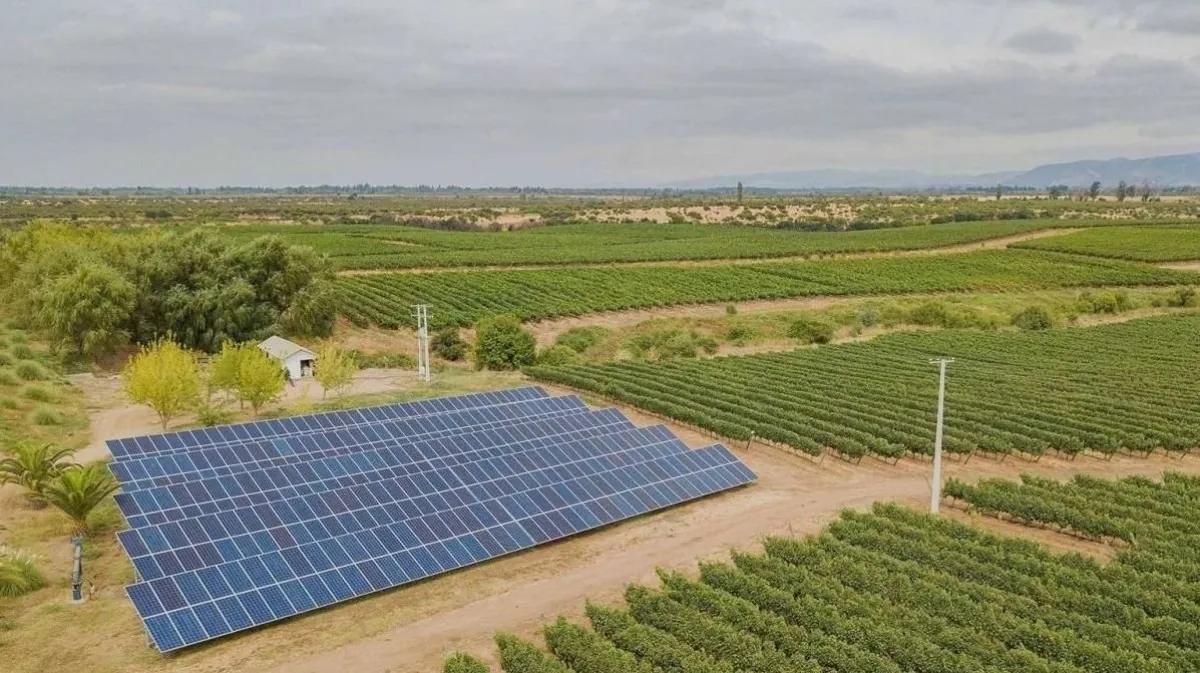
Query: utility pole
x=935, y=503
x=422, y=313
x=77, y=571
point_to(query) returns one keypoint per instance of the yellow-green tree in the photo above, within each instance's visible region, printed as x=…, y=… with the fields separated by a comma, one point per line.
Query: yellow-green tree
x=164, y=377
x=224, y=370
x=335, y=368
x=260, y=378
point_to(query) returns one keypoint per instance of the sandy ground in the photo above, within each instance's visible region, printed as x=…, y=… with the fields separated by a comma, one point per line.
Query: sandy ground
x=112, y=417
x=1182, y=266
x=794, y=496
x=989, y=244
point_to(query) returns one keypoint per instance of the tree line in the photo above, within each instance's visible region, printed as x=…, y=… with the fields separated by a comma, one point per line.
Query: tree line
x=91, y=290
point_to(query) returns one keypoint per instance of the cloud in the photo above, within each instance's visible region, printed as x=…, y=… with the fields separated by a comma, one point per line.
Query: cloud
x=1042, y=41
x=565, y=91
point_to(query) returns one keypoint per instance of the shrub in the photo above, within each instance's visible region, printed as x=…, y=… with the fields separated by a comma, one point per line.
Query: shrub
x=557, y=355
x=730, y=309
x=448, y=345
x=5, y=360
x=211, y=416
x=460, y=662
x=1181, y=297
x=707, y=344
x=1034, y=318
x=868, y=317
x=8, y=403
x=579, y=339
x=29, y=370
x=18, y=573
x=383, y=360
x=811, y=331
x=7, y=378
x=502, y=343
x=1103, y=302
x=678, y=345
x=739, y=334
x=22, y=351
x=47, y=416
x=3, y=342
x=18, y=338
x=38, y=394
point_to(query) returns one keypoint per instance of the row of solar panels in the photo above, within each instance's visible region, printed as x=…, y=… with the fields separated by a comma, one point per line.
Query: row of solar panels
x=225, y=537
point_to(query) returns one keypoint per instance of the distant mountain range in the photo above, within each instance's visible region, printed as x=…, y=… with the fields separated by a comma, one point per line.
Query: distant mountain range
x=1177, y=170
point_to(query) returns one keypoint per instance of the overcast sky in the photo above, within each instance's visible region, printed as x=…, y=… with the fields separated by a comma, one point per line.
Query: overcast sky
x=574, y=92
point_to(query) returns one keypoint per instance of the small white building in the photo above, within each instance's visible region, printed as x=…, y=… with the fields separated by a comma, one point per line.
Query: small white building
x=296, y=359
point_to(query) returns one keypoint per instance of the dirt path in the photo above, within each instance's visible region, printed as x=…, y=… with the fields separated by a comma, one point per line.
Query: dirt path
x=1182, y=266
x=987, y=244
x=111, y=416
x=413, y=629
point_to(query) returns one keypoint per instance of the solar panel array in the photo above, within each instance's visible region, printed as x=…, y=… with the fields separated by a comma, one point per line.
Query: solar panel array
x=240, y=525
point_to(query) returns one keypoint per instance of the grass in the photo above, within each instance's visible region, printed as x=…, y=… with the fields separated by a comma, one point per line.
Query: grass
x=9, y=403
x=19, y=574
x=38, y=394
x=30, y=370
x=8, y=378
x=6, y=360
x=47, y=416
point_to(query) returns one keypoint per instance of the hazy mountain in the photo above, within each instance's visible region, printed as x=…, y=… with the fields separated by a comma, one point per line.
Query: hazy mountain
x=1170, y=171
x=1166, y=171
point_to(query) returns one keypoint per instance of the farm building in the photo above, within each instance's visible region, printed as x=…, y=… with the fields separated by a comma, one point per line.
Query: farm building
x=296, y=359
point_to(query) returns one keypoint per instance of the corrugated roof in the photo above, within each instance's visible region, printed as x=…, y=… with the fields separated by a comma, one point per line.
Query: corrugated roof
x=282, y=349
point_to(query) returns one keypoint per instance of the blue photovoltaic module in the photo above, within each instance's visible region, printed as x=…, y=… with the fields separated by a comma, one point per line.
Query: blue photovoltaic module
x=240, y=525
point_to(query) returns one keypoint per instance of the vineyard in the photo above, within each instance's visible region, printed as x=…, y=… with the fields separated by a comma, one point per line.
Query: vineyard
x=1145, y=244
x=1127, y=387
x=462, y=298
x=401, y=248
x=894, y=590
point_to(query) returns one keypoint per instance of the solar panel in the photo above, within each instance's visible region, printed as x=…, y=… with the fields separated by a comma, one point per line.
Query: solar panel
x=225, y=537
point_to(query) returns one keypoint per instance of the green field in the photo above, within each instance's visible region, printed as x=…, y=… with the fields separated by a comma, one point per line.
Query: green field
x=1145, y=244
x=1131, y=386
x=894, y=590
x=462, y=298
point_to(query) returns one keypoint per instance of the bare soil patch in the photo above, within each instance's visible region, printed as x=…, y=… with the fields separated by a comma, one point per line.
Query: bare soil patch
x=1182, y=266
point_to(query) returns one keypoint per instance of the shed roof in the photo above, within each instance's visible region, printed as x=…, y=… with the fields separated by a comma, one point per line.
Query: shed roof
x=282, y=349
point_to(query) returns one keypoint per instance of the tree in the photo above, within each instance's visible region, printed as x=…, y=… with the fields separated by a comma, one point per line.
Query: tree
x=87, y=310
x=260, y=379
x=1056, y=191
x=78, y=490
x=335, y=368
x=312, y=311
x=32, y=466
x=999, y=192
x=164, y=377
x=1145, y=191
x=1094, y=190
x=502, y=343
x=224, y=369
x=1122, y=190
x=448, y=345
x=739, y=191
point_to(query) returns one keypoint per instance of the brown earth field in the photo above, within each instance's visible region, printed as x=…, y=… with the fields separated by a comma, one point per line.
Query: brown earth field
x=411, y=629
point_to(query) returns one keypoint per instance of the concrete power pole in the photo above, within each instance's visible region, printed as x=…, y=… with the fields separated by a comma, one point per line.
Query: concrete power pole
x=422, y=313
x=935, y=502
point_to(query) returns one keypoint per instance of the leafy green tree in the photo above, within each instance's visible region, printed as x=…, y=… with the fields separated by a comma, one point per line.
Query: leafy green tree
x=448, y=345
x=32, y=466
x=87, y=310
x=312, y=311
x=261, y=379
x=1094, y=190
x=502, y=343
x=164, y=377
x=1123, y=191
x=78, y=490
x=335, y=368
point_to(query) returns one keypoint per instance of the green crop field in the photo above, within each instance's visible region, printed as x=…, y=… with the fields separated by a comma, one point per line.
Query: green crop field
x=1131, y=386
x=1146, y=244
x=895, y=590
x=462, y=298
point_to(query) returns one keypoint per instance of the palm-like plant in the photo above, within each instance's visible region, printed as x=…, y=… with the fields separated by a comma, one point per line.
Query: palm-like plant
x=33, y=466
x=77, y=490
